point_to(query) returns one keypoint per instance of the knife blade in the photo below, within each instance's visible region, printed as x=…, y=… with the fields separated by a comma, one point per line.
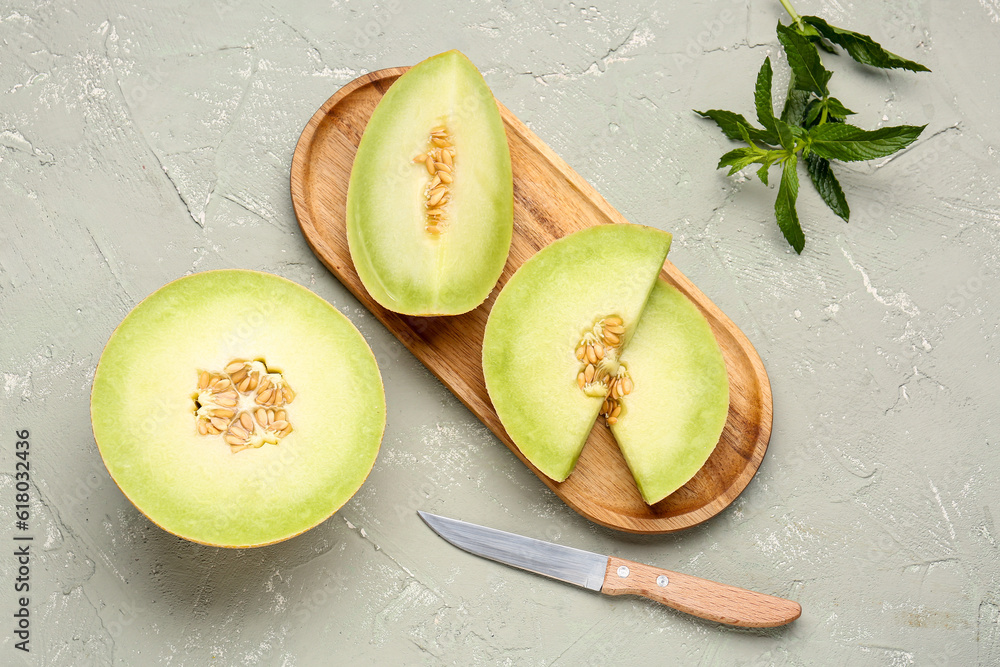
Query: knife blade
x=616, y=576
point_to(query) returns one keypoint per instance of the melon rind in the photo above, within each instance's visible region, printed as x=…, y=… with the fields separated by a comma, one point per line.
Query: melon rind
x=196, y=486
x=403, y=267
x=535, y=325
x=673, y=417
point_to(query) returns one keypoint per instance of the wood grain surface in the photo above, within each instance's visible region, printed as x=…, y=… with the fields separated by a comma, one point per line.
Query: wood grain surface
x=550, y=201
x=699, y=597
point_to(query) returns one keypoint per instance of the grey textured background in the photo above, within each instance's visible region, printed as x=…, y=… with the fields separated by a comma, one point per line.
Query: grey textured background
x=139, y=144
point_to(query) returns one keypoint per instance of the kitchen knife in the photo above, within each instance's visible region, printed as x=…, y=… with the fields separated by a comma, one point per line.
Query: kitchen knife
x=617, y=576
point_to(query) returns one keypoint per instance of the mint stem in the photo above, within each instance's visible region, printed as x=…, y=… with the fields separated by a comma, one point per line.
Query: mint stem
x=791, y=12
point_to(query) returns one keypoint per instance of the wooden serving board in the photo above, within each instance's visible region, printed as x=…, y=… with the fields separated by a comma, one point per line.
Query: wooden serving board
x=550, y=201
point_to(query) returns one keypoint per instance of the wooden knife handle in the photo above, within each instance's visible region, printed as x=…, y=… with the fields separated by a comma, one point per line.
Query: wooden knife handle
x=698, y=597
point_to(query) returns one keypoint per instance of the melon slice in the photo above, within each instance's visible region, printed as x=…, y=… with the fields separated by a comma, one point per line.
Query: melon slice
x=678, y=398
x=430, y=201
x=531, y=358
x=236, y=408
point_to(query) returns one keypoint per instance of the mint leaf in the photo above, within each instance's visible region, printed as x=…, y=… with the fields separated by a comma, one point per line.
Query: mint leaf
x=784, y=205
x=813, y=35
x=762, y=96
x=839, y=141
x=862, y=48
x=794, y=111
x=834, y=109
x=762, y=173
x=729, y=122
x=808, y=72
x=827, y=185
x=785, y=135
x=738, y=158
x=769, y=158
x=815, y=111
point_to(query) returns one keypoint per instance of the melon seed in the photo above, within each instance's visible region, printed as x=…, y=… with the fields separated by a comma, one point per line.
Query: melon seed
x=231, y=404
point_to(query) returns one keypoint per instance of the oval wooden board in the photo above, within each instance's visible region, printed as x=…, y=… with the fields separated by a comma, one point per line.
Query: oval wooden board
x=550, y=201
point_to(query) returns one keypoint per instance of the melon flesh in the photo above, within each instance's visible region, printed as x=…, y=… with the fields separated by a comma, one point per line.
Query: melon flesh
x=403, y=267
x=195, y=486
x=672, y=419
x=535, y=326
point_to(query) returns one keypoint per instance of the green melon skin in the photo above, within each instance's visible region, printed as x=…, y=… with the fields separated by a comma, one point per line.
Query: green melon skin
x=529, y=359
x=673, y=418
x=404, y=268
x=142, y=408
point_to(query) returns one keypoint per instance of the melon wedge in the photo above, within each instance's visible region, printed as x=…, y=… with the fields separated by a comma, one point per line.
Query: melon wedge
x=535, y=326
x=672, y=418
x=422, y=245
x=205, y=357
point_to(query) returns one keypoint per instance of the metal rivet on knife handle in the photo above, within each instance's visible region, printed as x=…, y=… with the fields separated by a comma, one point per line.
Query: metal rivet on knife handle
x=623, y=571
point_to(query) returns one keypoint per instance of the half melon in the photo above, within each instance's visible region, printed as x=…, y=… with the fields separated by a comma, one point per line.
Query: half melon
x=430, y=200
x=237, y=408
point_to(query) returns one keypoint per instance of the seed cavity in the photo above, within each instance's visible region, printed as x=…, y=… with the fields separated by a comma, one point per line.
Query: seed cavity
x=244, y=404
x=439, y=161
x=601, y=374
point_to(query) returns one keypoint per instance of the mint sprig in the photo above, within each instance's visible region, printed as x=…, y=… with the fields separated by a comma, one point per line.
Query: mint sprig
x=811, y=127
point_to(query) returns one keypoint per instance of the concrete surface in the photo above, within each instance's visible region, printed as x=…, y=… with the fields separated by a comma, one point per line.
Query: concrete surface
x=138, y=144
